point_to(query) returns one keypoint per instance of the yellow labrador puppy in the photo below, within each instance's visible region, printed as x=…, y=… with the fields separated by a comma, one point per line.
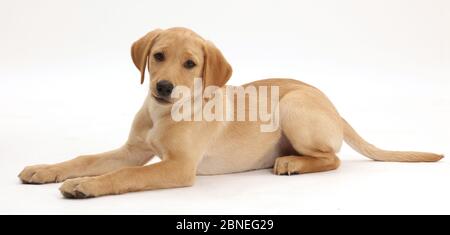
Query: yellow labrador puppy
x=310, y=131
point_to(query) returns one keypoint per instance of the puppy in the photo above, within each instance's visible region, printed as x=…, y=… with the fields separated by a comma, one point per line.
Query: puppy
x=309, y=133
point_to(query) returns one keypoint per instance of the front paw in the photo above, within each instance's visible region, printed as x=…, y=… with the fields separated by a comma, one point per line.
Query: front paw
x=41, y=174
x=81, y=188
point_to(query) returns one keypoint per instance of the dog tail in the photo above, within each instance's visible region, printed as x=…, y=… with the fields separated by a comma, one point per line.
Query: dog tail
x=363, y=147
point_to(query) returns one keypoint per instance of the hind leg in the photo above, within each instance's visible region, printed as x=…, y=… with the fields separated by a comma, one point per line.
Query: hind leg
x=314, y=129
x=292, y=165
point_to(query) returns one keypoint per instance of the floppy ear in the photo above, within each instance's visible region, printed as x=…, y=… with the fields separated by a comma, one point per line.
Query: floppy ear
x=216, y=70
x=141, y=49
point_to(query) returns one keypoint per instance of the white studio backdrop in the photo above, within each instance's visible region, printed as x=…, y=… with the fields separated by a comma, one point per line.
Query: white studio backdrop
x=68, y=87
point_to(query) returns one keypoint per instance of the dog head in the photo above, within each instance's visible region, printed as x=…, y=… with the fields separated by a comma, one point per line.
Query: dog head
x=175, y=57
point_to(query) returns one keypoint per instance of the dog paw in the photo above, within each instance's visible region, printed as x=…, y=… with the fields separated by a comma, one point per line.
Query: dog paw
x=81, y=188
x=41, y=174
x=286, y=166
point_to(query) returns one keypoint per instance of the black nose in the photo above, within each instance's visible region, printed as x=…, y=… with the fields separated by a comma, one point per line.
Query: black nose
x=164, y=88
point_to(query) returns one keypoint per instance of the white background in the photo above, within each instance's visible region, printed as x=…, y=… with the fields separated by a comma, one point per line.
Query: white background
x=68, y=87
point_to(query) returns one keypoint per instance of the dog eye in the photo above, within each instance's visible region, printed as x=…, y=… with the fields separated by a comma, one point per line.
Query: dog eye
x=159, y=57
x=189, y=64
